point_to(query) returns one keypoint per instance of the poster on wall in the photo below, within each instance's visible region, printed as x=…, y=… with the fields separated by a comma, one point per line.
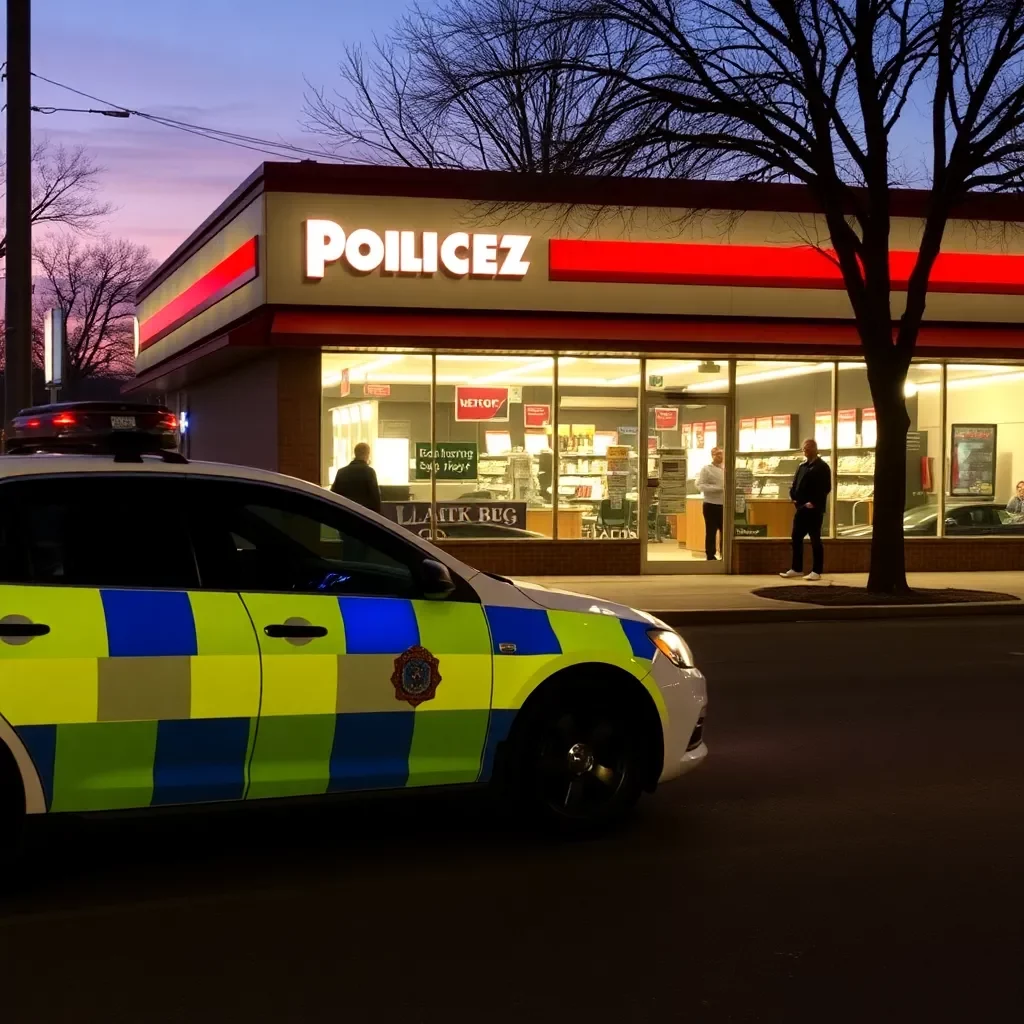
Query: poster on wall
x=846, y=429
x=823, y=429
x=747, y=431
x=711, y=434
x=763, y=434
x=536, y=415
x=452, y=460
x=868, y=428
x=456, y=519
x=475, y=404
x=972, y=461
x=666, y=417
x=782, y=431
x=686, y=437
x=346, y=387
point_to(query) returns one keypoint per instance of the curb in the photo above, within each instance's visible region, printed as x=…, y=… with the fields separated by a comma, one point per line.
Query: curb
x=814, y=613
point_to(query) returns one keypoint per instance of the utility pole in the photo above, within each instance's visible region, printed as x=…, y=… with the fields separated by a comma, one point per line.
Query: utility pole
x=18, y=286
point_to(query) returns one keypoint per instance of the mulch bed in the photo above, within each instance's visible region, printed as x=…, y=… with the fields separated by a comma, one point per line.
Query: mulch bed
x=846, y=596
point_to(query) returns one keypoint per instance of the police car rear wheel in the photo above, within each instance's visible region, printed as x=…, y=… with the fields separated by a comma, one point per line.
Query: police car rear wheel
x=583, y=765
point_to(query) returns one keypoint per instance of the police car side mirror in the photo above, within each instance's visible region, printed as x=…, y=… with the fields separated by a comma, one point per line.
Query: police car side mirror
x=435, y=580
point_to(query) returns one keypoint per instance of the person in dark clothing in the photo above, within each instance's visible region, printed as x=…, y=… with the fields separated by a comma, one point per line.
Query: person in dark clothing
x=811, y=486
x=357, y=481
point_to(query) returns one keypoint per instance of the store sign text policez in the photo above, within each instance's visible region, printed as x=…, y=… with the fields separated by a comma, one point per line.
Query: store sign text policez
x=460, y=254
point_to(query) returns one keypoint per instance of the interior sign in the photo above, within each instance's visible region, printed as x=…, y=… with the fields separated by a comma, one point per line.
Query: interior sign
x=479, y=403
x=460, y=254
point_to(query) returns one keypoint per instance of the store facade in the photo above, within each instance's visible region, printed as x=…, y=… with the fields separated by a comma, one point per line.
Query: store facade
x=543, y=369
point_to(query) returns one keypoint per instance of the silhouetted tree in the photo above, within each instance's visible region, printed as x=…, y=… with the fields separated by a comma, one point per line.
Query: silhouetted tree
x=94, y=284
x=486, y=84
x=809, y=91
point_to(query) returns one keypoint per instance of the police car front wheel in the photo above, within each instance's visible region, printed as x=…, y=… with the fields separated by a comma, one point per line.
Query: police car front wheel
x=581, y=764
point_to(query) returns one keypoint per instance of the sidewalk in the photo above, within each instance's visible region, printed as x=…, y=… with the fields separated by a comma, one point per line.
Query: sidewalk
x=692, y=600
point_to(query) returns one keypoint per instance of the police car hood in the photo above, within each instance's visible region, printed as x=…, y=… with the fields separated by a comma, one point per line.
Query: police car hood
x=567, y=601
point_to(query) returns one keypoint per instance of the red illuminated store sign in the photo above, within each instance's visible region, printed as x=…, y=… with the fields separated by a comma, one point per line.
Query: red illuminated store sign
x=767, y=266
x=666, y=418
x=476, y=403
x=536, y=415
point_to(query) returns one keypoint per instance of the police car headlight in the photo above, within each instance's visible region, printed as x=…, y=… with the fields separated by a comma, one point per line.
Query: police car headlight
x=673, y=646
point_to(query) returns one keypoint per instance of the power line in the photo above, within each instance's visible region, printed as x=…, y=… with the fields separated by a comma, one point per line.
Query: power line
x=250, y=142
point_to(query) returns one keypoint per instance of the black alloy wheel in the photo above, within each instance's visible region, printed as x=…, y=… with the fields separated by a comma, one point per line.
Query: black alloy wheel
x=585, y=765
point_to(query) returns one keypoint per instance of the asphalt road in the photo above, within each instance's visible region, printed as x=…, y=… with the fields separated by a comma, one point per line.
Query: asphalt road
x=853, y=850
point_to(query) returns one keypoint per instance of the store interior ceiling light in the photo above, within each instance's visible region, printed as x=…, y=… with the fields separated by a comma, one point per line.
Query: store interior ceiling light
x=597, y=402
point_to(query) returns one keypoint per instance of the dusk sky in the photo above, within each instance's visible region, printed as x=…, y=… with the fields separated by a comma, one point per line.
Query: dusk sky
x=221, y=63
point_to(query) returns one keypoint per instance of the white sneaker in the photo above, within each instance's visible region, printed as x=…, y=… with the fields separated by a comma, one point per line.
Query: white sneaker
x=813, y=576
x=789, y=574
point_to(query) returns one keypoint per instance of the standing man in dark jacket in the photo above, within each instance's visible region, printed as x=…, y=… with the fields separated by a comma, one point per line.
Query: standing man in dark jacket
x=357, y=481
x=811, y=486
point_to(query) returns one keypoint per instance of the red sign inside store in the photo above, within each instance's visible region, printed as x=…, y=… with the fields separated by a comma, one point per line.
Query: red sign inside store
x=346, y=387
x=476, y=404
x=666, y=418
x=376, y=390
x=536, y=415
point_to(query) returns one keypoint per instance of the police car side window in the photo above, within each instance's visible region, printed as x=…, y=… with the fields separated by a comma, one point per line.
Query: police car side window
x=96, y=531
x=255, y=538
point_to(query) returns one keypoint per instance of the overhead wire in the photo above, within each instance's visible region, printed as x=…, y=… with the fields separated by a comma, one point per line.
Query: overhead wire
x=250, y=142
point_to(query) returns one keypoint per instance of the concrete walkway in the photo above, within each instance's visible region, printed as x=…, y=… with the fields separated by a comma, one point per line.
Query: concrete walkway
x=709, y=599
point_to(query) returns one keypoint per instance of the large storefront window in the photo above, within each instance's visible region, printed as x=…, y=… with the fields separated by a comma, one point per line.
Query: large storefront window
x=687, y=438
x=598, y=447
x=493, y=430
x=779, y=405
x=985, y=450
x=857, y=436
x=382, y=400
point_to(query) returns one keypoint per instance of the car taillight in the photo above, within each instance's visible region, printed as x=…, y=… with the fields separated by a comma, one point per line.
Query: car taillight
x=65, y=419
x=169, y=421
x=32, y=424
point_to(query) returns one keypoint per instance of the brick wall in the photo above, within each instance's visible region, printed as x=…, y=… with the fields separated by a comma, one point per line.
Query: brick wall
x=550, y=558
x=298, y=414
x=982, y=554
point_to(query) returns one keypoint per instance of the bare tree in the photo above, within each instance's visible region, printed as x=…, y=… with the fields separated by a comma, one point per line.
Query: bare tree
x=813, y=91
x=486, y=84
x=95, y=286
x=64, y=189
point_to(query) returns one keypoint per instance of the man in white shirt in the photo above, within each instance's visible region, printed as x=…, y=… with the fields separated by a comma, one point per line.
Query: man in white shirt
x=711, y=483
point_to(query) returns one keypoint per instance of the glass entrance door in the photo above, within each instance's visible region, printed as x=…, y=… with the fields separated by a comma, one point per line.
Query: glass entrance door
x=685, y=493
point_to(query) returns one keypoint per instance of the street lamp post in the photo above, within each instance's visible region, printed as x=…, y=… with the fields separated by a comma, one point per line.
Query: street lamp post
x=18, y=286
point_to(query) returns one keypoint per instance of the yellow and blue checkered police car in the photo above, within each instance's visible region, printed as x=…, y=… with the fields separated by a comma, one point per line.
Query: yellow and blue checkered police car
x=175, y=633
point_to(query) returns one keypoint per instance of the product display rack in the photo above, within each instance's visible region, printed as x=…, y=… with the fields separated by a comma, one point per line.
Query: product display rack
x=852, y=485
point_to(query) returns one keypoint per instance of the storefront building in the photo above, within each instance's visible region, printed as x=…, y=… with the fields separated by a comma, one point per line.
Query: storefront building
x=543, y=368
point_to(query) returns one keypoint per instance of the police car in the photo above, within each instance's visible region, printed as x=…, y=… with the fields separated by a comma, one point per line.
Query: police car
x=176, y=632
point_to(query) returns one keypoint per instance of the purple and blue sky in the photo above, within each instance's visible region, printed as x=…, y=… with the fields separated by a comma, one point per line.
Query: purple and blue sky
x=227, y=64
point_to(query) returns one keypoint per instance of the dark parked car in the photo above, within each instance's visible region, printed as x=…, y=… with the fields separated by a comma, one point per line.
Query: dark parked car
x=481, y=531
x=977, y=520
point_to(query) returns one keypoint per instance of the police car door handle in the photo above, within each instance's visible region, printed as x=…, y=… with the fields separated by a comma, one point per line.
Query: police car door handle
x=294, y=631
x=22, y=630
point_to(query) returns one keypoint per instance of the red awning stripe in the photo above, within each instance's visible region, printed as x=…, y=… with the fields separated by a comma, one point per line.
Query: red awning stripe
x=766, y=266
x=241, y=267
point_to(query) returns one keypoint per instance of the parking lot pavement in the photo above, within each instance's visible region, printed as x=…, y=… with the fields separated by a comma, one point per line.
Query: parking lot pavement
x=850, y=852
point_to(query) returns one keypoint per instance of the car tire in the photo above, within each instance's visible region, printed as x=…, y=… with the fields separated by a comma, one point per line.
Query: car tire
x=577, y=764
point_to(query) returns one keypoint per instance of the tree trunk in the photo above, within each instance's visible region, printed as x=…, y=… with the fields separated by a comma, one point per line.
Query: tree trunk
x=888, y=564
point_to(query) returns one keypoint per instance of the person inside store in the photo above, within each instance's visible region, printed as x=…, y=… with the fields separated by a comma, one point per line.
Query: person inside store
x=1016, y=503
x=812, y=484
x=711, y=484
x=358, y=480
